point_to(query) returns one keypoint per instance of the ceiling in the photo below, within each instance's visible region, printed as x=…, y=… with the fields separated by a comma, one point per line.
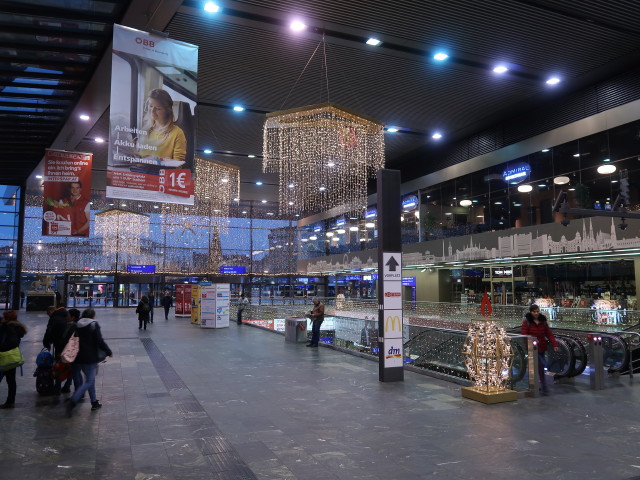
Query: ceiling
x=249, y=56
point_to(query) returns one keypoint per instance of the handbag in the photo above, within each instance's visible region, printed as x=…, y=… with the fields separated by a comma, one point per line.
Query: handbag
x=70, y=351
x=61, y=370
x=11, y=359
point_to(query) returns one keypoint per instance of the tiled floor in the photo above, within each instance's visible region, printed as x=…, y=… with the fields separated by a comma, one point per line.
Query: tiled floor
x=239, y=403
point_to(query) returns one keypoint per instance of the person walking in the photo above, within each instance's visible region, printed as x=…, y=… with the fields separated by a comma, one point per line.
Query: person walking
x=152, y=303
x=55, y=335
x=167, y=303
x=75, y=377
x=242, y=303
x=535, y=325
x=11, y=331
x=142, y=310
x=22, y=297
x=317, y=317
x=91, y=341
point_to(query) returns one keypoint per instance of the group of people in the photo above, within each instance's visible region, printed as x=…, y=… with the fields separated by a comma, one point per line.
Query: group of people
x=62, y=325
x=145, y=308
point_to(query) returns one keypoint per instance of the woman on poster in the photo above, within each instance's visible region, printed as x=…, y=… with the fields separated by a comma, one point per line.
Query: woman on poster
x=164, y=139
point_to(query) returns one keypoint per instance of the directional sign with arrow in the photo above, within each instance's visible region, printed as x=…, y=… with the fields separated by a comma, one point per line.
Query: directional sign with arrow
x=392, y=266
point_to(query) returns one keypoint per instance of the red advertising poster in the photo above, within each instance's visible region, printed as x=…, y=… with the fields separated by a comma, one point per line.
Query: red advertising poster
x=183, y=300
x=152, y=118
x=67, y=193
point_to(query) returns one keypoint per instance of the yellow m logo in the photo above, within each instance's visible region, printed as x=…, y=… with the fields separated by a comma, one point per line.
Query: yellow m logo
x=394, y=322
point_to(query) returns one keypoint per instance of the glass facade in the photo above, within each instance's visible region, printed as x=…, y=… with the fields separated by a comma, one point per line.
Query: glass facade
x=10, y=198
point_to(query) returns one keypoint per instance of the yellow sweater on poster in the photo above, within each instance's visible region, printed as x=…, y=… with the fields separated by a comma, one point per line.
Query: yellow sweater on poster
x=171, y=144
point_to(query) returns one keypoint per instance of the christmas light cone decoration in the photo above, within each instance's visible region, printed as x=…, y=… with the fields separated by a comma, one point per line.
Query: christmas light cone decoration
x=488, y=357
x=324, y=155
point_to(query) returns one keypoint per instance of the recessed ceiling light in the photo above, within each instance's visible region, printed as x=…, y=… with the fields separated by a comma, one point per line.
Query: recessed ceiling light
x=373, y=41
x=606, y=160
x=525, y=188
x=297, y=26
x=440, y=56
x=84, y=117
x=99, y=140
x=542, y=185
x=238, y=108
x=607, y=168
x=545, y=150
x=553, y=81
x=561, y=180
x=576, y=155
x=263, y=201
x=392, y=129
x=500, y=69
x=465, y=203
x=208, y=150
x=251, y=156
x=38, y=176
x=436, y=136
x=497, y=203
x=259, y=182
x=211, y=7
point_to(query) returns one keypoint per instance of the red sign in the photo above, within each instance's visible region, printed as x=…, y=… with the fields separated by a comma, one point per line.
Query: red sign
x=67, y=193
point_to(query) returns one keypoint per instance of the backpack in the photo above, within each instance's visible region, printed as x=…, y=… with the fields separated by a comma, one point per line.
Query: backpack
x=44, y=380
x=146, y=308
x=44, y=359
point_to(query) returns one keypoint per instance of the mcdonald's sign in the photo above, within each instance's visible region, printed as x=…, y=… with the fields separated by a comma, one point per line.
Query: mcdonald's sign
x=393, y=323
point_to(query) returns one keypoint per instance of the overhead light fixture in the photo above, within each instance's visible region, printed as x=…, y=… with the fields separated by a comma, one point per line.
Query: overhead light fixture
x=211, y=7
x=99, y=140
x=465, y=203
x=525, y=188
x=545, y=150
x=392, y=129
x=238, y=108
x=606, y=160
x=440, y=56
x=306, y=139
x=251, y=156
x=341, y=231
x=576, y=155
x=553, y=81
x=370, y=225
x=38, y=176
x=208, y=151
x=263, y=201
x=313, y=237
x=606, y=169
x=353, y=229
x=561, y=180
x=259, y=182
x=297, y=26
x=436, y=136
x=500, y=69
x=84, y=117
x=329, y=234
x=374, y=42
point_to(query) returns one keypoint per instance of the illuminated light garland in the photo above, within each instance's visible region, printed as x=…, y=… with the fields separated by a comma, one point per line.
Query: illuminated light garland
x=121, y=230
x=487, y=355
x=324, y=155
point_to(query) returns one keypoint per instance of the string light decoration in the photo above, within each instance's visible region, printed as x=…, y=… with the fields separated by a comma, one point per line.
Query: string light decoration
x=217, y=187
x=324, y=155
x=487, y=356
x=121, y=230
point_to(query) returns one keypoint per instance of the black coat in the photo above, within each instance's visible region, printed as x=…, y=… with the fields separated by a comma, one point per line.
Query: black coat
x=56, y=329
x=88, y=331
x=10, y=335
x=143, y=310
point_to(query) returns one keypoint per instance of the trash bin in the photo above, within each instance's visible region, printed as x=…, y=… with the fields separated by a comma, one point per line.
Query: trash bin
x=295, y=330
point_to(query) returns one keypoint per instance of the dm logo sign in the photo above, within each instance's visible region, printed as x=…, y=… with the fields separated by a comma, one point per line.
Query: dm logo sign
x=516, y=172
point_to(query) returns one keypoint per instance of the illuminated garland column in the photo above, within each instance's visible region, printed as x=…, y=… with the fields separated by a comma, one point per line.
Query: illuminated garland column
x=391, y=355
x=488, y=357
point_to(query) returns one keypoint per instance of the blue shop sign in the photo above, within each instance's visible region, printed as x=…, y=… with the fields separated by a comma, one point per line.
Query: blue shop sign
x=370, y=213
x=410, y=202
x=317, y=228
x=233, y=270
x=408, y=281
x=353, y=277
x=516, y=173
x=341, y=221
x=141, y=269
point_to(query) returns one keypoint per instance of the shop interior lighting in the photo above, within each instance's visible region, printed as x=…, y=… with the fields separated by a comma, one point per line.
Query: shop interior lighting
x=525, y=188
x=465, y=203
x=370, y=225
x=561, y=180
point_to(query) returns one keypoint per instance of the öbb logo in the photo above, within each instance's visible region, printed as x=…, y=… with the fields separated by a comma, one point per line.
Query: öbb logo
x=145, y=42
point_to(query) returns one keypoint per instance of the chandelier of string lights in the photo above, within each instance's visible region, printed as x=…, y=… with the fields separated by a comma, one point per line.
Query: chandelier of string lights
x=324, y=155
x=121, y=230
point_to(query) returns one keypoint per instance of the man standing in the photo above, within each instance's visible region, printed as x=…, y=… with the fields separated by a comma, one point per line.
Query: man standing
x=242, y=303
x=167, y=303
x=317, y=316
x=152, y=303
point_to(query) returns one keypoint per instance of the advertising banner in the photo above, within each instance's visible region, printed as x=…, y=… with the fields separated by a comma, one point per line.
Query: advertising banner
x=183, y=300
x=67, y=193
x=152, y=118
x=208, y=306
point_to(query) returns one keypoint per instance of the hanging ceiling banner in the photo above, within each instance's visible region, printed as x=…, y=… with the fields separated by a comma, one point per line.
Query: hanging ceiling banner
x=66, y=193
x=152, y=120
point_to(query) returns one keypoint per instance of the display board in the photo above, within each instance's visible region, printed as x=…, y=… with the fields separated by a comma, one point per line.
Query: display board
x=214, y=305
x=183, y=300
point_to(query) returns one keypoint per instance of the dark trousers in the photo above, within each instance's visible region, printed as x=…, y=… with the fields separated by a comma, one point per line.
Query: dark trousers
x=240, y=316
x=142, y=323
x=315, y=332
x=166, y=312
x=151, y=314
x=542, y=364
x=10, y=375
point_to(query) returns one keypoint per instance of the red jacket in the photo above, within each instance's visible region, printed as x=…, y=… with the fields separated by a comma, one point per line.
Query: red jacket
x=541, y=331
